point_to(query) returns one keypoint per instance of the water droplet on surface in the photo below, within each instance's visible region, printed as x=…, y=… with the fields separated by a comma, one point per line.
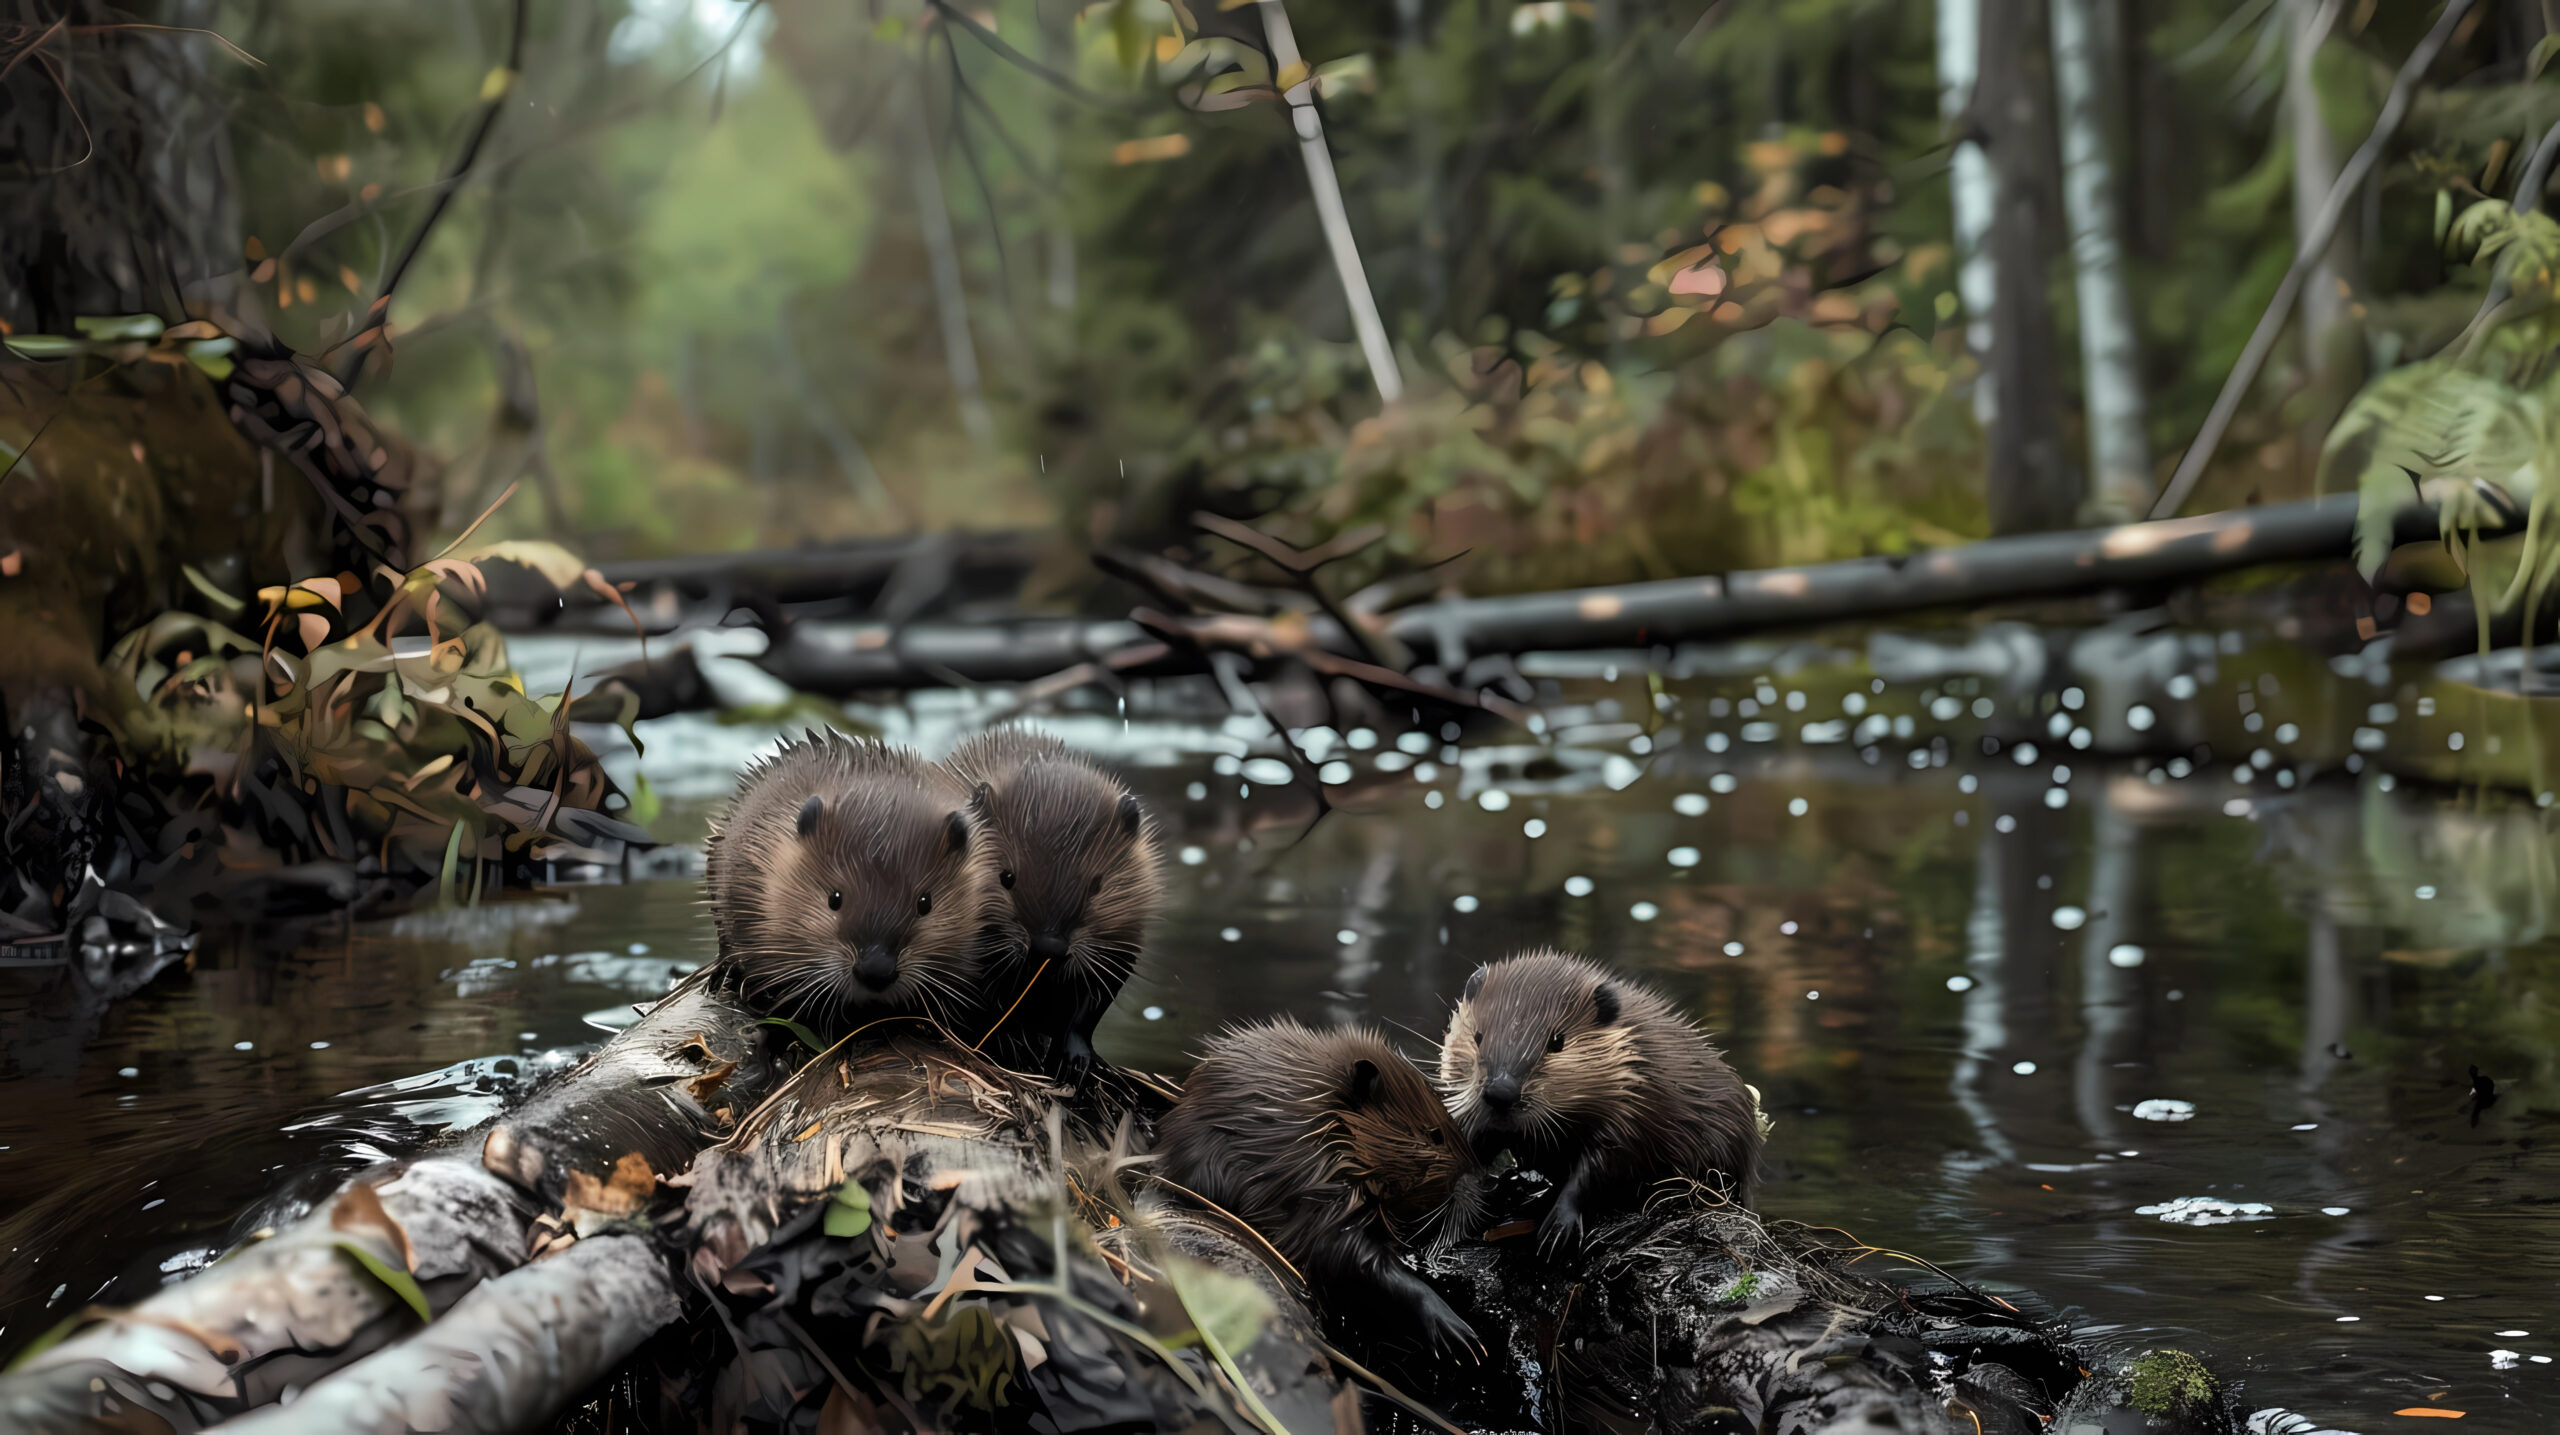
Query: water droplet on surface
x=1153, y=1013
x=1733, y=949
x=1690, y=804
x=2163, y=1109
x=1493, y=799
x=1577, y=886
x=1194, y=856
x=1534, y=827
x=1959, y=984
x=1346, y=936
x=1796, y=807
x=1464, y=903
x=1232, y=934
x=1644, y=911
x=2023, y=1068
x=2069, y=919
x=2124, y=954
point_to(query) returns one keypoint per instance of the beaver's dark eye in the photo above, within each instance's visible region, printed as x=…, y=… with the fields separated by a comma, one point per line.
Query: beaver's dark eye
x=1006, y=877
x=835, y=901
x=924, y=904
x=1555, y=1043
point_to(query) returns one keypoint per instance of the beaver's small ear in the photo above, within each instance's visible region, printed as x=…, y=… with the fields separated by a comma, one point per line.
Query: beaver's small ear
x=1131, y=813
x=810, y=812
x=1364, y=1083
x=1604, y=1004
x=1475, y=984
x=955, y=830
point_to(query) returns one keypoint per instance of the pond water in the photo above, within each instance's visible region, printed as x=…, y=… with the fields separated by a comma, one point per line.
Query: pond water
x=2189, y=1055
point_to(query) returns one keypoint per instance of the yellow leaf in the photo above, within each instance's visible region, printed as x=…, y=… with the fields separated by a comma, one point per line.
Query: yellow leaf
x=1147, y=151
x=496, y=84
x=552, y=561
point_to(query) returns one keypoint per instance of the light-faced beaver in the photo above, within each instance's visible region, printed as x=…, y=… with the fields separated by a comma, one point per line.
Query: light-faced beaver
x=1077, y=870
x=1595, y=1081
x=848, y=884
x=1337, y=1150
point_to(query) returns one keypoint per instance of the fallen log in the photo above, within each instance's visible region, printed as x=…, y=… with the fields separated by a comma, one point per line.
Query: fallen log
x=893, y=580
x=408, y=1239
x=1996, y=570
x=507, y=1357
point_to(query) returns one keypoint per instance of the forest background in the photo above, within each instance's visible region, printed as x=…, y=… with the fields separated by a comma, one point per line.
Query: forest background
x=1670, y=288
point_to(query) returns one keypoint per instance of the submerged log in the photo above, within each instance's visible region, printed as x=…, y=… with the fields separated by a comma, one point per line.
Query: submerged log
x=407, y=1239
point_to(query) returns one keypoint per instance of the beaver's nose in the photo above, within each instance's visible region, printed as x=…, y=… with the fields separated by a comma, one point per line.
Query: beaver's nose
x=876, y=968
x=1050, y=946
x=1502, y=1093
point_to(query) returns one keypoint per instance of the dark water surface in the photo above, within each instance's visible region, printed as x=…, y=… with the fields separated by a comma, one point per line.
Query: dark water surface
x=2190, y=1055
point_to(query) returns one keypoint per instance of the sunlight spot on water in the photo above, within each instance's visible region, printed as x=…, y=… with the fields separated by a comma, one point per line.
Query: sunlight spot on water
x=1493, y=799
x=2069, y=918
x=1722, y=782
x=1194, y=856
x=1690, y=804
x=1432, y=799
x=1577, y=886
x=2333, y=1210
x=1787, y=928
x=1533, y=828
x=1644, y=911
x=2164, y=1109
x=1232, y=934
x=2124, y=954
x=1465, y=903
x=1959, y=984
x=2426, y=894
x=2306, y=1126
x=244, y=1046
x=1796, y=807
x=1153, y=1013
x=1733, y=949
x=2023, y=1068
x=1346, y=936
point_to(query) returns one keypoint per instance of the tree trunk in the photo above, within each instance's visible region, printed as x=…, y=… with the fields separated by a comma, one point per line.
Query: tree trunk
x=2032, y=485
x=1969, y=185
x=2110, y=352
x=1327, y=191
x=950, y=303
x=2315, y=173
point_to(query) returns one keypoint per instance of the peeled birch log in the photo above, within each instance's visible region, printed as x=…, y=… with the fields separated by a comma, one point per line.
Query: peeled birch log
x=336, y=1284
x=507, y=1357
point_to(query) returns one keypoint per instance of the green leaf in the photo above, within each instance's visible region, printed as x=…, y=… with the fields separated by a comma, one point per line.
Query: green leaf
x=396, y=1280
x=645, y=807
x=806, y=1037
x=213, y=356
x=2543, y=50
x=1227, y=1311
x=2444, y=215
x=204, y=585
x=452, y=860
x=60, y=1331
x=109, y=328
x=43, y=346
x=849, y=1213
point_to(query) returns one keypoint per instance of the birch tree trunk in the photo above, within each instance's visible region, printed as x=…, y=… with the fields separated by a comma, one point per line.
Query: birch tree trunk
x=1327, y=191
x=1969, y=183
x=2032, y=485
x=2315, y=173
x=942, y=255
x=2110, y=350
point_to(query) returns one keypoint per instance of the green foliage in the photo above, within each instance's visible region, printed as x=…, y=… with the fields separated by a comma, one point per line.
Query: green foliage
x=399, y=1282
x=849, y=1210
x=2170, y=1383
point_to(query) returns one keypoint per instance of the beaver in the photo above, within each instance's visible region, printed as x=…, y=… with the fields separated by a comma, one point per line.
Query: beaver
x=1077, y=865
x=1597, y=1082
x=1335, y=1149
x=848, y=884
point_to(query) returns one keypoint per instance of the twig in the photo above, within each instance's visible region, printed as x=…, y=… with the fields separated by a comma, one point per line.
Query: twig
x=378, y=314
x=2314, y=243
x=1302, y=564
x=989, y=38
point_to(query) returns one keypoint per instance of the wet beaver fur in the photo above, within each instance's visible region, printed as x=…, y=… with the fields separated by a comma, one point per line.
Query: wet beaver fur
x=1594, y=1080
x=1337, y=1150
x=848, y=883
x=1077, y=868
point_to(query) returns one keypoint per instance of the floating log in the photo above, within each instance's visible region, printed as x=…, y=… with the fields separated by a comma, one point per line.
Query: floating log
x=343, y=1281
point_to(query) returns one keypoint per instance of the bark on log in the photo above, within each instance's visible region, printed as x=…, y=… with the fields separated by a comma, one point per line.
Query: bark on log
x=509, y=1356
x=301, y=1303
x=833, y=661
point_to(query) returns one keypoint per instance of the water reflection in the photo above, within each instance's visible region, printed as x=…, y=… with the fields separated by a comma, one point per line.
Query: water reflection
x=1965, y=982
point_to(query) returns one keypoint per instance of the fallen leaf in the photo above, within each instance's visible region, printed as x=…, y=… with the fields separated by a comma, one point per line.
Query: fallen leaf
x=11, y=562
x=620, y=1194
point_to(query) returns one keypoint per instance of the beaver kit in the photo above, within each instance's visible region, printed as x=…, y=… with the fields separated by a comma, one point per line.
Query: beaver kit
x=1077, y=868
x=1594, y=1080
x=848, y=884
x=1335, y=1148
